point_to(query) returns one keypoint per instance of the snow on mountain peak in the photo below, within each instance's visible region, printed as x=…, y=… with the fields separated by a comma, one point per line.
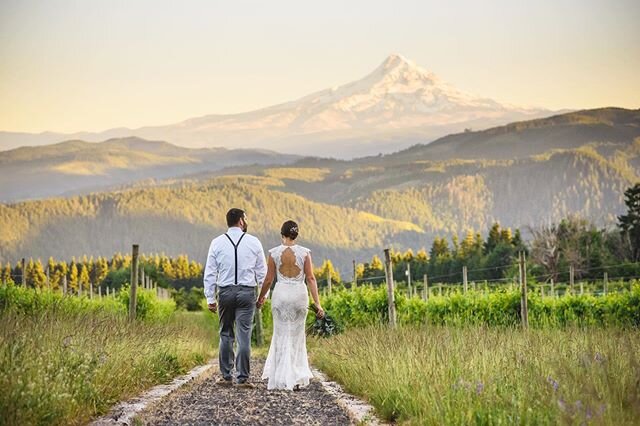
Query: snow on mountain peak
x=398, y=101
x=395, y=60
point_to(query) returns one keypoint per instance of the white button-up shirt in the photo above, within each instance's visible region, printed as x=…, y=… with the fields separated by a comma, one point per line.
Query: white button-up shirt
x=220, y=268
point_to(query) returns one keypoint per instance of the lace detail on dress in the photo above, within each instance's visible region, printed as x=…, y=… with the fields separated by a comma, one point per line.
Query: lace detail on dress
x=282, y=253
x=287, y=364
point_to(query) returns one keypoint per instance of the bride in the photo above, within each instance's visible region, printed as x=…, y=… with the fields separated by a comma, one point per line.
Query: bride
x=287, y=366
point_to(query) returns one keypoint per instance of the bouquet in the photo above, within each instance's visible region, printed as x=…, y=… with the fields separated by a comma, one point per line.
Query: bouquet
x=325, y=326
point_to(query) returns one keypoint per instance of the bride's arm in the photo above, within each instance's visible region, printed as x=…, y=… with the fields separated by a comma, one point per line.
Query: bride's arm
x=271, y=274
x=312, y=283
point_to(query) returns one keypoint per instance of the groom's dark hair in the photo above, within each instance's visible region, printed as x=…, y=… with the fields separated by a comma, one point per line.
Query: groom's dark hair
x=234, y=216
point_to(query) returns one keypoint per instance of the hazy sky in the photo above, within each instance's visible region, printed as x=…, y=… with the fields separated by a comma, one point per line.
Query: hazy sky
x=92, y=65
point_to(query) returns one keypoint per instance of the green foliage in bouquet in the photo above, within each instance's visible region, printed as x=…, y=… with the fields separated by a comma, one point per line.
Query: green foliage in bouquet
x=325, y=326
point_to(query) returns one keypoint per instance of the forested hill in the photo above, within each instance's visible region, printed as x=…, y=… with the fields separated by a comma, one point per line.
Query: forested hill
x=80, y=167
x=184, y=219
x=349, y=209
x=526, y=138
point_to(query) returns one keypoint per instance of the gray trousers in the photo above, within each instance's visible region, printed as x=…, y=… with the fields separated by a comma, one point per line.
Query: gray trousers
x=236, y=306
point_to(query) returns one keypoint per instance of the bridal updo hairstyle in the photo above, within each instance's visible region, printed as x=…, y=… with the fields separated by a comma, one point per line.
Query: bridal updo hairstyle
x=289, y=229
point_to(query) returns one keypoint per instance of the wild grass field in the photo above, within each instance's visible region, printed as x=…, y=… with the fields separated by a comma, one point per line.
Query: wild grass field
x=489, y=375
x=64, y=360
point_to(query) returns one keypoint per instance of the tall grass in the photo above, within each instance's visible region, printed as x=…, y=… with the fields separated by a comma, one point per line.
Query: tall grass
x=66, y=360
x=478, y=375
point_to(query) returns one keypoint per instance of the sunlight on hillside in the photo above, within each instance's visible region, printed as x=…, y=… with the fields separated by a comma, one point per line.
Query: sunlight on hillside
x=102, y=163
x=298, y=173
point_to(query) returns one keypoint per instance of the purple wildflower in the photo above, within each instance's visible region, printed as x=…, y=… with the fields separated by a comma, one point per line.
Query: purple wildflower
x=553, y=383
x=598, y=357
x=561, y=404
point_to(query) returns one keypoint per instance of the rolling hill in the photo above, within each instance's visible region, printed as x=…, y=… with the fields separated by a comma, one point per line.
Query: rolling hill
x=521, y=175
x=74, y=167
x=183, y=218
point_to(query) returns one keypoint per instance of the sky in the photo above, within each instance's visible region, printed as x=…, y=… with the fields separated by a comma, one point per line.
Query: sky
x=91, y=65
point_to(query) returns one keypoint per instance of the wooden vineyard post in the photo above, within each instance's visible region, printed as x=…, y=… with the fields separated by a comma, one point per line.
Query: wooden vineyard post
x=100, y=291
x=355, y=275
x=425, y=295
x=524, y=310
x=408, y=274
x=64, y=285
x=90, y=289
x=329, y=281
x=134, y=283
x=525, y=288
x=581, y=288
x=258, y=319
x=571, y=273
x=464, y=278
x=48, y=279
x=439, y=289
x=605, y=280
x=390, y=296
x=553, y=288
x=23, y=271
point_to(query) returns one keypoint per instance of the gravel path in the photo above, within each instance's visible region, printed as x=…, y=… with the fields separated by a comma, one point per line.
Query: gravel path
x=205, y=403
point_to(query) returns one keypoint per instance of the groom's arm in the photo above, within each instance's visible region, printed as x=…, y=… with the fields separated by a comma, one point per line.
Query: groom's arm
x=261, y=266
x=210, y=276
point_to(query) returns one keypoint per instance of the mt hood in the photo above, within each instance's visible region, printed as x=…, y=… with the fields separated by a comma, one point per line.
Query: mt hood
x=397, y=105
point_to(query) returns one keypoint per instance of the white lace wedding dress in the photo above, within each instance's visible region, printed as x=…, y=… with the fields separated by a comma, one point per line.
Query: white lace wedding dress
x=287, y=364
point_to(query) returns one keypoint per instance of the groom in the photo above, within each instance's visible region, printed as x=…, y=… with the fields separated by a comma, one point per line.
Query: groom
x=235, y=264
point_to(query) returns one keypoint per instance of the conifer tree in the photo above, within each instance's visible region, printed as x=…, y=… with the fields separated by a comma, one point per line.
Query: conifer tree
x=195, y=269
x=422, y=256
x=83, y=279
x=629, y=223
x=38, y=276
x=326, y=269
x=73, y=276
x=494, y=238
x=376, y=264
x=6, y=274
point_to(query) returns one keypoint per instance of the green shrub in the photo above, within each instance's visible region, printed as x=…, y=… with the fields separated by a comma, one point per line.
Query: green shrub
x=148, y=306
x=365, y=306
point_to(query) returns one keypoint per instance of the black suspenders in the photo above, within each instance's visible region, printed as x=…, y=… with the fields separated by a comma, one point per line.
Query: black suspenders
x=235, y=248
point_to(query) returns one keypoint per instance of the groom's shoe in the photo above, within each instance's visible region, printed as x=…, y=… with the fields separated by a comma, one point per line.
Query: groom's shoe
x=243, y=383
x=224, y=382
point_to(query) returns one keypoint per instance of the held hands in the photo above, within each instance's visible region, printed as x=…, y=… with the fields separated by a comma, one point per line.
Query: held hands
x=260, y=302
x=213, y=307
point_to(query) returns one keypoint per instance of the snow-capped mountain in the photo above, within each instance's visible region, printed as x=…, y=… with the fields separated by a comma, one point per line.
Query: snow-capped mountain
x=397, y=105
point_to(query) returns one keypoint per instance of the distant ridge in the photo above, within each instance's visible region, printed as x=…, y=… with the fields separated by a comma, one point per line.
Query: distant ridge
x=77, y=166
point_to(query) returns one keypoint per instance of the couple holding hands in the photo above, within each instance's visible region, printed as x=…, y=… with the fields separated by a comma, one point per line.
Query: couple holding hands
x=235, y=265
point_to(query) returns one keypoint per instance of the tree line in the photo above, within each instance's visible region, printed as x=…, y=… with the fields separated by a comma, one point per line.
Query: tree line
x=574, y=244
x=114, y=272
